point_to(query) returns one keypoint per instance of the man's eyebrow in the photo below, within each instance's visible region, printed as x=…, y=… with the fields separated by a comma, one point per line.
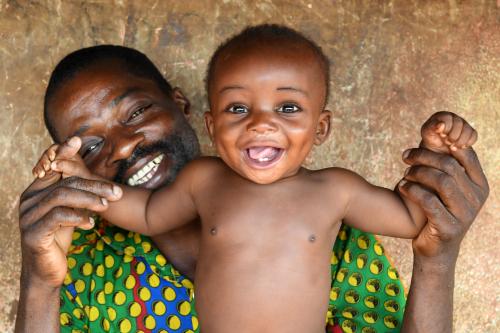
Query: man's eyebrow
x=230, y=88
x=294, y=89
x=80, y=130
x=118, y=99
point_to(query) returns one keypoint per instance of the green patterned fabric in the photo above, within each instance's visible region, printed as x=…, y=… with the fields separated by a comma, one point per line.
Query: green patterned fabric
x=367, y=295
x=119, y=282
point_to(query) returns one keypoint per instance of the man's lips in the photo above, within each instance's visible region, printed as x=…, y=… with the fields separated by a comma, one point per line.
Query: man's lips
x=145, y=173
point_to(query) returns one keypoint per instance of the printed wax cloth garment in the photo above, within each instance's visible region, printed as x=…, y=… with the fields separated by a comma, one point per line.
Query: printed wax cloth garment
x=367, y=295
x=118, y=281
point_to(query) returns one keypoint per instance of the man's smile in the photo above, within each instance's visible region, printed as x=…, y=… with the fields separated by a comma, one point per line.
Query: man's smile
x=145, y=173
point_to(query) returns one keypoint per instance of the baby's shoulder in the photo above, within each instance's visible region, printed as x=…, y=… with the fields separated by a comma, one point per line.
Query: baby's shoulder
x=207, y=166
x=335, y=174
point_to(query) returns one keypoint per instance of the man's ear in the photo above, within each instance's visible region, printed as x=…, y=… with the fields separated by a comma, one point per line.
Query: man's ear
x=209, y=124
x=323, y=128
x=182, y=102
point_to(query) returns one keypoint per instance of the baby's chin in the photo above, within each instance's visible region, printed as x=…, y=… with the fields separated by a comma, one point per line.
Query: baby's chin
x=262, y=177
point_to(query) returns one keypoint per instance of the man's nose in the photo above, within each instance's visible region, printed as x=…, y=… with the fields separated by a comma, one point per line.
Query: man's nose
x=123, y=146
x=262, y=122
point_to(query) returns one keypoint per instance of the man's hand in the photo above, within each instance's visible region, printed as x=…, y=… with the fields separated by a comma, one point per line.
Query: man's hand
x=451, y=190
x=49, y=210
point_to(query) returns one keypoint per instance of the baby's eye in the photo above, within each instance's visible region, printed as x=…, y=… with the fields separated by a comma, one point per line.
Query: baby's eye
x=237, y=109
x=288, y=108
x=139, y=111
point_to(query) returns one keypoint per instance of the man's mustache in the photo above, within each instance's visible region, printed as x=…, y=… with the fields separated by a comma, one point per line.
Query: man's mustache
x=169, y=147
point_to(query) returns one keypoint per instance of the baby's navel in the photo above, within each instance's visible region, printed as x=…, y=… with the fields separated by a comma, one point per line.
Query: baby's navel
x=213, y=231
x=312, y=238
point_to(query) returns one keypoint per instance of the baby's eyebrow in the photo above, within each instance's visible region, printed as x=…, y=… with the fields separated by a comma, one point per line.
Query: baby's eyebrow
x=294, y=89
x=230, y=88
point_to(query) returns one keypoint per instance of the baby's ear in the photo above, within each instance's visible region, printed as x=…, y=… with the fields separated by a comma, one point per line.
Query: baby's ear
x=323, y=127
x=209, y=124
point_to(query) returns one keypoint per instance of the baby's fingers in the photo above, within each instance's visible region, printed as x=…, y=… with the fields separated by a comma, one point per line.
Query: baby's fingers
x=70, y=168
x=442, y=122
x=42, y=167
x=456, y=130
x=464, y=137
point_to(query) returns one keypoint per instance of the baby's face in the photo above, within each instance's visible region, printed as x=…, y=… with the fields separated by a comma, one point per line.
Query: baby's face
x=266, y=109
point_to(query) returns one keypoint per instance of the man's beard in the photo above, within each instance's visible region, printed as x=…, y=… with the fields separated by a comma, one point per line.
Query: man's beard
x=179, y=147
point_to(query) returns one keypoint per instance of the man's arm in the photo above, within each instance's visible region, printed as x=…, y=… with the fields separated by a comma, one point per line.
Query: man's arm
x=48, y=212
x=451, y=191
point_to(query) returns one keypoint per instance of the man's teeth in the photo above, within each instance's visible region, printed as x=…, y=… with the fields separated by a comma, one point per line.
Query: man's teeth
x=146, y=172
x=264, y=159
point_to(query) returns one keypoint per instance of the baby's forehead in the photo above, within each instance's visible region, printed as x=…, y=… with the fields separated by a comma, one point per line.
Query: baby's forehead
x=275, y=54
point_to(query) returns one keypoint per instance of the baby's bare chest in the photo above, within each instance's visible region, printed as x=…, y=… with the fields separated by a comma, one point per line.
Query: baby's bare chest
x=296, y=211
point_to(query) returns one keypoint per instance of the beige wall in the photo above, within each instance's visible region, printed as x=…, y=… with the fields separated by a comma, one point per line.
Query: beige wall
x=395, y=63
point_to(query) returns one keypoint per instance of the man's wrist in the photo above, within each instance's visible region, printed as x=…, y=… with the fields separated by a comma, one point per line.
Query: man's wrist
x=443, y=263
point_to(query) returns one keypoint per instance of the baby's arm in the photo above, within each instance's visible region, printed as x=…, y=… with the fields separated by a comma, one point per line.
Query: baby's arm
x=375, y=209
x=139, y=210
x=155, y=212
x=386, y=212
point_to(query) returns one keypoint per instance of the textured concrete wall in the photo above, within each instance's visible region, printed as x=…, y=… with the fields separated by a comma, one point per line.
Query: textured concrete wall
x=395, y=63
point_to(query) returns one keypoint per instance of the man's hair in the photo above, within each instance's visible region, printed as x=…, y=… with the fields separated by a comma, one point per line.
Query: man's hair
x=270, y=33
x=132, y=62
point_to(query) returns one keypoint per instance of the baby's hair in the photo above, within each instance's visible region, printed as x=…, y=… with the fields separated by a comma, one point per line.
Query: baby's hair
x=268, y=33
x=130, y=60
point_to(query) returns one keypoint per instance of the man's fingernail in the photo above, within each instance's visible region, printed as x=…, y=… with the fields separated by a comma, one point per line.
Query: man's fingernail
x=407, y=171
x=104, y=201
x=92, y=221
x=53, y=165
x=406, y=153
x=402, y=183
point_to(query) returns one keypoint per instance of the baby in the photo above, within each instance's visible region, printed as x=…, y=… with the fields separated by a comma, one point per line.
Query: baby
x=268, y=224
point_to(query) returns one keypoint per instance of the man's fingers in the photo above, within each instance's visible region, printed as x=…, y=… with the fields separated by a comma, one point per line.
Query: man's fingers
x=69, y=148
x=466, y=158
x=453, y=191
x=441, y=222
x=63, y=197
x=55, y=219
x=101, y=188
x=470, y=162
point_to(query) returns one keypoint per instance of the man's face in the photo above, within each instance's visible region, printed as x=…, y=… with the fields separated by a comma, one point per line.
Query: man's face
x=266, y=109
x=132, y=132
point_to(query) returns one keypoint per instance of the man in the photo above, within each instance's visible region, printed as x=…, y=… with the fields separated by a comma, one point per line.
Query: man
x=134, y=129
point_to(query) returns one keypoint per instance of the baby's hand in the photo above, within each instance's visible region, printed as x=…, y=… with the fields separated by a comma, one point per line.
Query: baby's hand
x=42, y=167
x=445, y=132
x=71, y=164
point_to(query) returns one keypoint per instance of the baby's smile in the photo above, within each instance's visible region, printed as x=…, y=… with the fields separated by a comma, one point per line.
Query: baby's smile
x=263, y=157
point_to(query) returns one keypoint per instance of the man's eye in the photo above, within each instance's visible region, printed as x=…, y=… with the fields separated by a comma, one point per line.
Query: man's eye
x=89, y=149
x=237, y=109
x=288, y=108
x=139, y=111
